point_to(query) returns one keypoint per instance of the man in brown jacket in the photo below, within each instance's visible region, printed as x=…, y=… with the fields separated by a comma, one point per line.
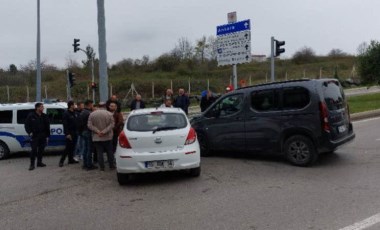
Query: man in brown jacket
x=101, y=123
x=119, y=123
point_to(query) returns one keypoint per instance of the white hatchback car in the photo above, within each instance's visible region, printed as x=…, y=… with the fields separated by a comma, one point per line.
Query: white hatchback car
x=157, y=139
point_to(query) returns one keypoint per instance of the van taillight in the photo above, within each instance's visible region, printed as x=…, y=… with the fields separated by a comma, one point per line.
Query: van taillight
x=123, y=141
x=324, y=116
x=191, y=137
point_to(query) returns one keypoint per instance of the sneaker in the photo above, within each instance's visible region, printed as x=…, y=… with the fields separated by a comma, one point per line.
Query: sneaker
x=60, y=164
x=102, y=169
x=73, y=162
x=41, y=165
x=31, y=167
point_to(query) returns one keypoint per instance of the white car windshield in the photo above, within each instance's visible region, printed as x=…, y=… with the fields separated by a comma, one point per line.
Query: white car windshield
x=156, y=121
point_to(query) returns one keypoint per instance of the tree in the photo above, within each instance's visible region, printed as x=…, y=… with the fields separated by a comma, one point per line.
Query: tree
x=183, y=50
x=369, y=68
x=336, y=53
x=90, y=54
x=362, y=48
x=304, y=55
x=200, y=48
x=12, y=69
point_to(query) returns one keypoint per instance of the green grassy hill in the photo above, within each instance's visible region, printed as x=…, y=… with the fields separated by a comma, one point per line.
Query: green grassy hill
x=121, y=78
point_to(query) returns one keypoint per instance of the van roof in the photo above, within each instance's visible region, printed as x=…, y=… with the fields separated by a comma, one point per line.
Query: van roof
x=289, y=81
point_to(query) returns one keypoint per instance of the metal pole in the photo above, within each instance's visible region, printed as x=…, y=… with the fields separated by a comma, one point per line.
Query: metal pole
x=250, y=79
x=171, y=85
x=234, y=75
x=208, y=84
x=103, y=75
x=8, y=93
x=272, y=58
x=27, y=93
x=88, y=92
x=110, y=90
x=152, y=89
x=92, y=78
x=46, y=92
x=189, y=88
x=38, y=82
x=68, y=86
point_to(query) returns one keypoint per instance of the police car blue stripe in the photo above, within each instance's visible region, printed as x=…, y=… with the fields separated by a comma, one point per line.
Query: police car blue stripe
x=54, y=140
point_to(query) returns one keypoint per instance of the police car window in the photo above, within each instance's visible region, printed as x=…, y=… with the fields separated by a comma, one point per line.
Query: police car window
x=267, y=100
x=6, y=117
x=22, y=115
x=55, y=115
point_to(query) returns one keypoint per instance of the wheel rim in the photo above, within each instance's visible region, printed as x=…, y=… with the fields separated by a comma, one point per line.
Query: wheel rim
x=299, y=151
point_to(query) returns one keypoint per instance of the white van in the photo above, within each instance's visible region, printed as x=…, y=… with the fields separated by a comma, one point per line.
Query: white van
x=13, y=137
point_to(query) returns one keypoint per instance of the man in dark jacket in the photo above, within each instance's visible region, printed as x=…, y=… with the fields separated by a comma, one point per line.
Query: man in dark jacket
x=70, y=130
x=37, y=126
x=207, y=100
x=182, y=101
x=86, y=135
x=137, y=103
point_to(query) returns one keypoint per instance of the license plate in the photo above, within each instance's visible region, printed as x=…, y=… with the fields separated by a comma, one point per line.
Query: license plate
x=159, y=164
x=342, y=128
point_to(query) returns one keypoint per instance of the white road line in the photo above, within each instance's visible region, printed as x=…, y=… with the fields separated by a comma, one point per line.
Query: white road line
x=378, y=139
x=364, y=223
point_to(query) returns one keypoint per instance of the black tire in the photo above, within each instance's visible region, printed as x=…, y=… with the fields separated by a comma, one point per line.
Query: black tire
x=300, y=150
x=4, y=150
x=203, y=145
x=195, y=172
x=123, y=178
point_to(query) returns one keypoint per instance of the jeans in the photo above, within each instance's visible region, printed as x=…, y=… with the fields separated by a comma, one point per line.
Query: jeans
x=101, y=147
x=79, y=146
x=87, y=149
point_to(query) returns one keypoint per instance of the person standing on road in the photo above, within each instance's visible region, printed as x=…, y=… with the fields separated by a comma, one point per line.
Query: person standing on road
x=37, y=125
x=182, y=101
x=119, y=123
x=113, y=98
x=207, y=100
x=70, y=130
x=137, y=103
x=86, y=135
x=101, y=123
x=167, y=103
x=78, y=152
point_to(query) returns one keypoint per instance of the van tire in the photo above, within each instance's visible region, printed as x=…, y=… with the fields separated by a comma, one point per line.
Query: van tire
x=4, y=150
x=203, y=145
x=300, y=150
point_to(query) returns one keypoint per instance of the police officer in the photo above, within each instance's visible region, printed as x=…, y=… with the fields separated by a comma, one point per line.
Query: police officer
x=70, y=130
x=37, y=126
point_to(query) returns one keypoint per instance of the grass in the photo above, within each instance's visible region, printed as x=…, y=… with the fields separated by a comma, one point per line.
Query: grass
x=363, y=103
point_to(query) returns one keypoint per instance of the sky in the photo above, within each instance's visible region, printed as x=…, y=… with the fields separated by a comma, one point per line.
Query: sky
x=135, y=28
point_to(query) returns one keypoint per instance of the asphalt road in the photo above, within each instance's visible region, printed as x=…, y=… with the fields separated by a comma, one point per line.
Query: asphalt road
x=233, y=192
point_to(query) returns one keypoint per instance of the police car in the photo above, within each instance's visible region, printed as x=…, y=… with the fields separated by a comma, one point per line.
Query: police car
x=13, y=137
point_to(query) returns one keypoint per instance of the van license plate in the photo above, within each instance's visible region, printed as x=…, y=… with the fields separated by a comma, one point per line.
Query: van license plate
x=159, y=164
x=342, y=128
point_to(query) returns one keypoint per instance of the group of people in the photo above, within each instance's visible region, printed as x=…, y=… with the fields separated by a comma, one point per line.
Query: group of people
x=90, y=132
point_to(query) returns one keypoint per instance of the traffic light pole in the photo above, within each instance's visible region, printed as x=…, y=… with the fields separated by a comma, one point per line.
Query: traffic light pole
x=68, y=89
x=93, y=79
x=272, y=59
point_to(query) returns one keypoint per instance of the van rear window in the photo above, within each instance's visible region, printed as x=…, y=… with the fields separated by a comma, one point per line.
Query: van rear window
x=333, y=95
x=6, y=117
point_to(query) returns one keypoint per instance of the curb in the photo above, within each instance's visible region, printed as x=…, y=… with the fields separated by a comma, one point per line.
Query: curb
x=365, y=115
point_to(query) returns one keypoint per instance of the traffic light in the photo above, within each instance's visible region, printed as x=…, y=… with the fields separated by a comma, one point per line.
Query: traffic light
x=93, y=85
x=71, y=79
x=279, y=50
x=76, y=44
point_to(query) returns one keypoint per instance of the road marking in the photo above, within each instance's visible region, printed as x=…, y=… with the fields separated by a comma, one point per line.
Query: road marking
x=364, y=223
x=378, y=139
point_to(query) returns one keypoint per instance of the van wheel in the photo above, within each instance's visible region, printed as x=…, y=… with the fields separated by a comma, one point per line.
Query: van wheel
x=203, y=145
x=4, y=150
x=123, y=178
x=300, y=150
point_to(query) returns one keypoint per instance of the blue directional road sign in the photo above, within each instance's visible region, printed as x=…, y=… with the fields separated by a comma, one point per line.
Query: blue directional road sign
x=233, y=27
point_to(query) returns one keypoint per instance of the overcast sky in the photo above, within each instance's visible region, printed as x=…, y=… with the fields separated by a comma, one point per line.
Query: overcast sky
x=152, y=27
